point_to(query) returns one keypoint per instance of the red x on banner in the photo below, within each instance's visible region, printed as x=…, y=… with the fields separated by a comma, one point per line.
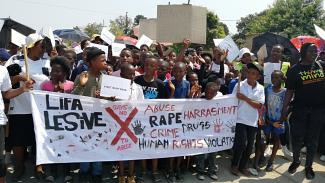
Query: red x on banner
x=124, y=125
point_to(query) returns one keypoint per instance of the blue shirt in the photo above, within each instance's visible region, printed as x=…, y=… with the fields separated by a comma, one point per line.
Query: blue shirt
x=181, y=89
x=274, y=103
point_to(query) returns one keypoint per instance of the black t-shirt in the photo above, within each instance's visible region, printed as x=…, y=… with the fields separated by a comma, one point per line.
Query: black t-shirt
x=308, y=83
x=152, y=90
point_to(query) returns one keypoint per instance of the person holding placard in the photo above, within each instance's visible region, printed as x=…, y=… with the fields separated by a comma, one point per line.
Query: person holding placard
x=88, y=84
x=125, y=58
x=21, y=131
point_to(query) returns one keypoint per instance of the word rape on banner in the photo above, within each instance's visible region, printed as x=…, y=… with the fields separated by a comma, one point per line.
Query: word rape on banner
x=71, y=128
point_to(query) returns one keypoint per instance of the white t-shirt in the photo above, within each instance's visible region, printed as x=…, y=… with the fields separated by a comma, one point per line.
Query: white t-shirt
x=216, y=68
x=21, y=103
x=136, y=92
x=247, y=115
x=5, y=85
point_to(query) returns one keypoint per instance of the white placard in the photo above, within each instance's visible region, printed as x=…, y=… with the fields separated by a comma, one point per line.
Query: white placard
x=217, y=41
x=268, y=69
x=48, y=32
x=107, y=36
x=73, y=128
x=144, y=40
x=101, y=47
x=2, y=22
x=320, y=32
x=117, y=48
x=228, y=44
x=17, y=38
x=118, y=87
x=262, y=52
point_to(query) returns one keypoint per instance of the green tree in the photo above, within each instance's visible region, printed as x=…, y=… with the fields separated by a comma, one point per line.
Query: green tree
x=287, y=17
x=121, y=26
x=215, y=29
x=93, y=28
x=137, y=19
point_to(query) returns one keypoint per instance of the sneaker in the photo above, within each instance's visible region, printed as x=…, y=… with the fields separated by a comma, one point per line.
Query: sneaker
x=18, y=174
x=287, y=154
x=269, y=167
x=304, y=150
x=121, y=179
x=131, y=179
x=293, y=167
x=309, y=173
x=171, y=177
x=200, y=176
x=50, y=178
x=253, y=171
x=68, y=179
x=268, y=151
x=234, y=170
x=156, y=177
x=179, y=176
x=322, y=158
x=213, y=176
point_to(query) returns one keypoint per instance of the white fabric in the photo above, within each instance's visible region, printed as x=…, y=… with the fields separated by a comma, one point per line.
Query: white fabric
x=219, y=94
x=247, y=115
x=20, y=104
x=216, y=68
x=5, y=85
x=136, y=92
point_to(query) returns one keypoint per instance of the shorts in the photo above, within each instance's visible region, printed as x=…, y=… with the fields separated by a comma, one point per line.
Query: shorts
x=21, y=130
x=269, y=128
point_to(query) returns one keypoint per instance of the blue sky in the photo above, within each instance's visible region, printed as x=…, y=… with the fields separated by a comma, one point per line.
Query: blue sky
x=69, y=13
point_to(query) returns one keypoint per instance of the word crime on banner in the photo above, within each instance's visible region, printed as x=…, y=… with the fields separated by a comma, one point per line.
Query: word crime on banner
x=72, y=128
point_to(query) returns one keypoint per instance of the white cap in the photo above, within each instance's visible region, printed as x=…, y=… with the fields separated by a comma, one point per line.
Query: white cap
x=32, y=39
x=244, y=51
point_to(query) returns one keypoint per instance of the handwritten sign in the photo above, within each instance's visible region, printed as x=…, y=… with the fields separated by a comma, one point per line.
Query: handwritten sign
x=117, y=48
x=72, y=128
x=229, y=44
x=118, y=87
x=268, y=69
x=107, y=36
x=17, y=38
x=101, y=47
x=144, y=40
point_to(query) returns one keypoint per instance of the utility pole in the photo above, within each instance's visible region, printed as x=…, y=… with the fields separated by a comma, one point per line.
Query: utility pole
x=188, y=2
x=126, y=23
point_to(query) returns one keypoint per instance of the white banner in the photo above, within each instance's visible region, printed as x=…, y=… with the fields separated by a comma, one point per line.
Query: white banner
x=72, y=128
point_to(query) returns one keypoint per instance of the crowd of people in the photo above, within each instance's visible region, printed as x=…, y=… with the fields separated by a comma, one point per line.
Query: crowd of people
x=287, y=113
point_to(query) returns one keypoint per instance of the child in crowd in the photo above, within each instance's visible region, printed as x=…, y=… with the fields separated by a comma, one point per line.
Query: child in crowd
x=211, y=91
x=128, y=72
x=162, y=72
x=177, y=88
x=58, y=83
x=125, y=57
x=274, y=102
x=195, y=91
x=152, y=89
x=251, y=99
x=109, y=69
x=87, y=84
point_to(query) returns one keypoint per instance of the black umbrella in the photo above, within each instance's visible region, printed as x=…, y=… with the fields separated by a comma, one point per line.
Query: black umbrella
x=71, y=34
x=270, y=39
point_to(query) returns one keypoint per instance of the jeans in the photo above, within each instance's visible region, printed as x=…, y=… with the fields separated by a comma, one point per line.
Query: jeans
x=243, y=145
x=96, y=168
x=306, y=124
x=211, y=163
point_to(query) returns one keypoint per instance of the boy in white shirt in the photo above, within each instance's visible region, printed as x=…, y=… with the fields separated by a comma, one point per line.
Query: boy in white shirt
x=8, y=93
x=251, y=98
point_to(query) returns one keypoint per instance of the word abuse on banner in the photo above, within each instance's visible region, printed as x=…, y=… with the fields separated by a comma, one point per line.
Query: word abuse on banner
x=72, y=128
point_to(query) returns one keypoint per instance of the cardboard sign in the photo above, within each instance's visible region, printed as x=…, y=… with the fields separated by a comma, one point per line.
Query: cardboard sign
x=107, y=36
x=262, y=53
x=268, y=69
x=320, y=32
x=144, y=40
x=101, y=47
x=217, y=41
x=228, y=44
x=118, y=87
x=17, y=38
x=73, y=128
x=117, y=48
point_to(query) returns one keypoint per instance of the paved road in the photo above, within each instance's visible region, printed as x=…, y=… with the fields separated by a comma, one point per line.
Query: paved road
x=279, y=174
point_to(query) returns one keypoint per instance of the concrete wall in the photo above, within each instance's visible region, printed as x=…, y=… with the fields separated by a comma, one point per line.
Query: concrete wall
x=148, y=27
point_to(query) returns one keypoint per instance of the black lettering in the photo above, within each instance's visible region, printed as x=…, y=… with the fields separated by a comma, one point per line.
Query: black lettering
x=178, y=117
x=47, y=121
x=76, y=105
x=162, y=120
x=74, y=125
x=152, y=121
x=97, y=118
x=47, y=98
